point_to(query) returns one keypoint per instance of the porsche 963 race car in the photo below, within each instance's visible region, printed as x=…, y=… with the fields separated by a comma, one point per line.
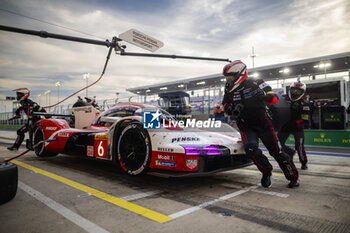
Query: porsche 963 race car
x=119, y=135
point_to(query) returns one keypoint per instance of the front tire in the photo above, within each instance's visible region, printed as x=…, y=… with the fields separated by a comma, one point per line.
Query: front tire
x=134, y=149
x=39, y=143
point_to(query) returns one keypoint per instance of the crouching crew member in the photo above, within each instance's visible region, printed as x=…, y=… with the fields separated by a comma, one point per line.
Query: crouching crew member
x=295, y=125
x=27, y=106
x=246, y=100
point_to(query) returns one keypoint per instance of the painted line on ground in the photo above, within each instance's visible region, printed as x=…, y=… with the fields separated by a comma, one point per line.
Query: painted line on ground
x=322, y=153
x=328, y=154
x=258, y=172
x=140, y=195
x=60, y=209
x=153, y=215
x=284, y=195
x=272, y=193
x=205, y=204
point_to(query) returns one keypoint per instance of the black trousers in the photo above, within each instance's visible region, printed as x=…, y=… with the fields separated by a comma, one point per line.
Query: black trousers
x=20, y=136
x=297, y=130
x=250, y=135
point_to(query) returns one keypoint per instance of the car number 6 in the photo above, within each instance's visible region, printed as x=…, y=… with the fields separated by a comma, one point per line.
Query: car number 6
x=100, y=150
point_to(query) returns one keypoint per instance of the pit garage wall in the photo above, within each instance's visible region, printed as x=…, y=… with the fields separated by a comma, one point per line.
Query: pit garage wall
x=331, y=138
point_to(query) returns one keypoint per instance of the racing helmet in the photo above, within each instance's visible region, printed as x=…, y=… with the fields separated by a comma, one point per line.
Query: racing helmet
x=90, y=100
x=296, y=91
x=235, y=74
x=22, y=93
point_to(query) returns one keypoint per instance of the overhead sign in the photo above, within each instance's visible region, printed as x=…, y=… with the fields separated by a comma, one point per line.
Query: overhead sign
x=141, y=40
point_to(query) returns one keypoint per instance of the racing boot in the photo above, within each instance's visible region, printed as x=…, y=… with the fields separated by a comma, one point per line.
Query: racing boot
x=304, y=167
x=293, y=184
x=17, y=143
x=29, y=144
x=12, y=148
x=266, y=180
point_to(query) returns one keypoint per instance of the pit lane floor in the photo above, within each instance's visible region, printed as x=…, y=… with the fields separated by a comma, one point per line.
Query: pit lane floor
x=224, y=202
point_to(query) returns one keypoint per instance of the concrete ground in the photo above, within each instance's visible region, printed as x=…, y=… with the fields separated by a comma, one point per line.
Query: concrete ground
x=69, y=194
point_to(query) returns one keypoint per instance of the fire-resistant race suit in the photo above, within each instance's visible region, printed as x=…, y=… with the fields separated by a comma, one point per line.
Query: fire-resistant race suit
x=247, y=102
x=295, y=125
x=27, y=106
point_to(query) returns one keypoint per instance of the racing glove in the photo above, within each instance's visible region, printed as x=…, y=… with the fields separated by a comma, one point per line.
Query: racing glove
x=300, y=122
x=271, y=98
x=237, y=110
x=228, y=108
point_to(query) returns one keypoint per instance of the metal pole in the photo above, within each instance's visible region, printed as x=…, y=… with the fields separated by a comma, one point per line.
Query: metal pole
x=45, y=34
x=209, y=100
x=319, y=117
x=122, y=53
x=87, y=82
x=113, y=44
x=253, y=57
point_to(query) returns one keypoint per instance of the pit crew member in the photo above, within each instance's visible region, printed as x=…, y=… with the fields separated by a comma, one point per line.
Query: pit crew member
x=27, y=106
x=246, y=100
x=295, y=125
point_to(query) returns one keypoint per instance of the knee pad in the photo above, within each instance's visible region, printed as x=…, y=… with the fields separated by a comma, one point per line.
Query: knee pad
x=252, y=149
x=287, y=166
x=19, y=132
x=256, y=155
x=283, y=158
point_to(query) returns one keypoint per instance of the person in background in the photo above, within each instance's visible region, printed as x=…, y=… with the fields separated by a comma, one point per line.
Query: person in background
x=295, y=124
x=246, y=99
x=27, y=106
x=92, y=101
x=308, y=111
x=219, y=113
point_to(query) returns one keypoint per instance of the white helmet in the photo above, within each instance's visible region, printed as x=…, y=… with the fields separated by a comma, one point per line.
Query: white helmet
x=235, y=73
x=22, y=93
x=296, y=91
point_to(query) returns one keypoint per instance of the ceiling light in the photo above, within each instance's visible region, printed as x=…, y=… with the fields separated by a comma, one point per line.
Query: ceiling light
x=322, y=65
x=285, y=71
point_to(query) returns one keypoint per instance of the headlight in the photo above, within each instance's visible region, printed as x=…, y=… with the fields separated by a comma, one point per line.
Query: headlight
x=206, y=150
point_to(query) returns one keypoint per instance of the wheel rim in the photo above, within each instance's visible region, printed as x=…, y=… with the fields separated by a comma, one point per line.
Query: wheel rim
x=132, y=149
x=39, y=141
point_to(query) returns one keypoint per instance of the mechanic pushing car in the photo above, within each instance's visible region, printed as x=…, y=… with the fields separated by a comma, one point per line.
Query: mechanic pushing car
x=295, y=124
x=27, y=106
x=246, y=100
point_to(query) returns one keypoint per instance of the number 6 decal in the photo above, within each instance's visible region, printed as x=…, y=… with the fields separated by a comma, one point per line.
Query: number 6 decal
x=101, y=144
x=100, y=150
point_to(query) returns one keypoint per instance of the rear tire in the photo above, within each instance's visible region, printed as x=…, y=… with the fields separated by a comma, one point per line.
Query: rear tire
x=39, y=143
x=134, y=149
x=8, y=181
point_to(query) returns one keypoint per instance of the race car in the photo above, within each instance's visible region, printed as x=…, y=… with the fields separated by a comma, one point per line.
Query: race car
x=119, y=135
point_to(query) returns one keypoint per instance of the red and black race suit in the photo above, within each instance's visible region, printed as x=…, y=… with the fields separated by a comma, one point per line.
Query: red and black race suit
x=27, y=105
x=294, y=126
x=254, y=123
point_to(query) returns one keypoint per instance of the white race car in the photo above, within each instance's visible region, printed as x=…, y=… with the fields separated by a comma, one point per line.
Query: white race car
x=118, y=134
